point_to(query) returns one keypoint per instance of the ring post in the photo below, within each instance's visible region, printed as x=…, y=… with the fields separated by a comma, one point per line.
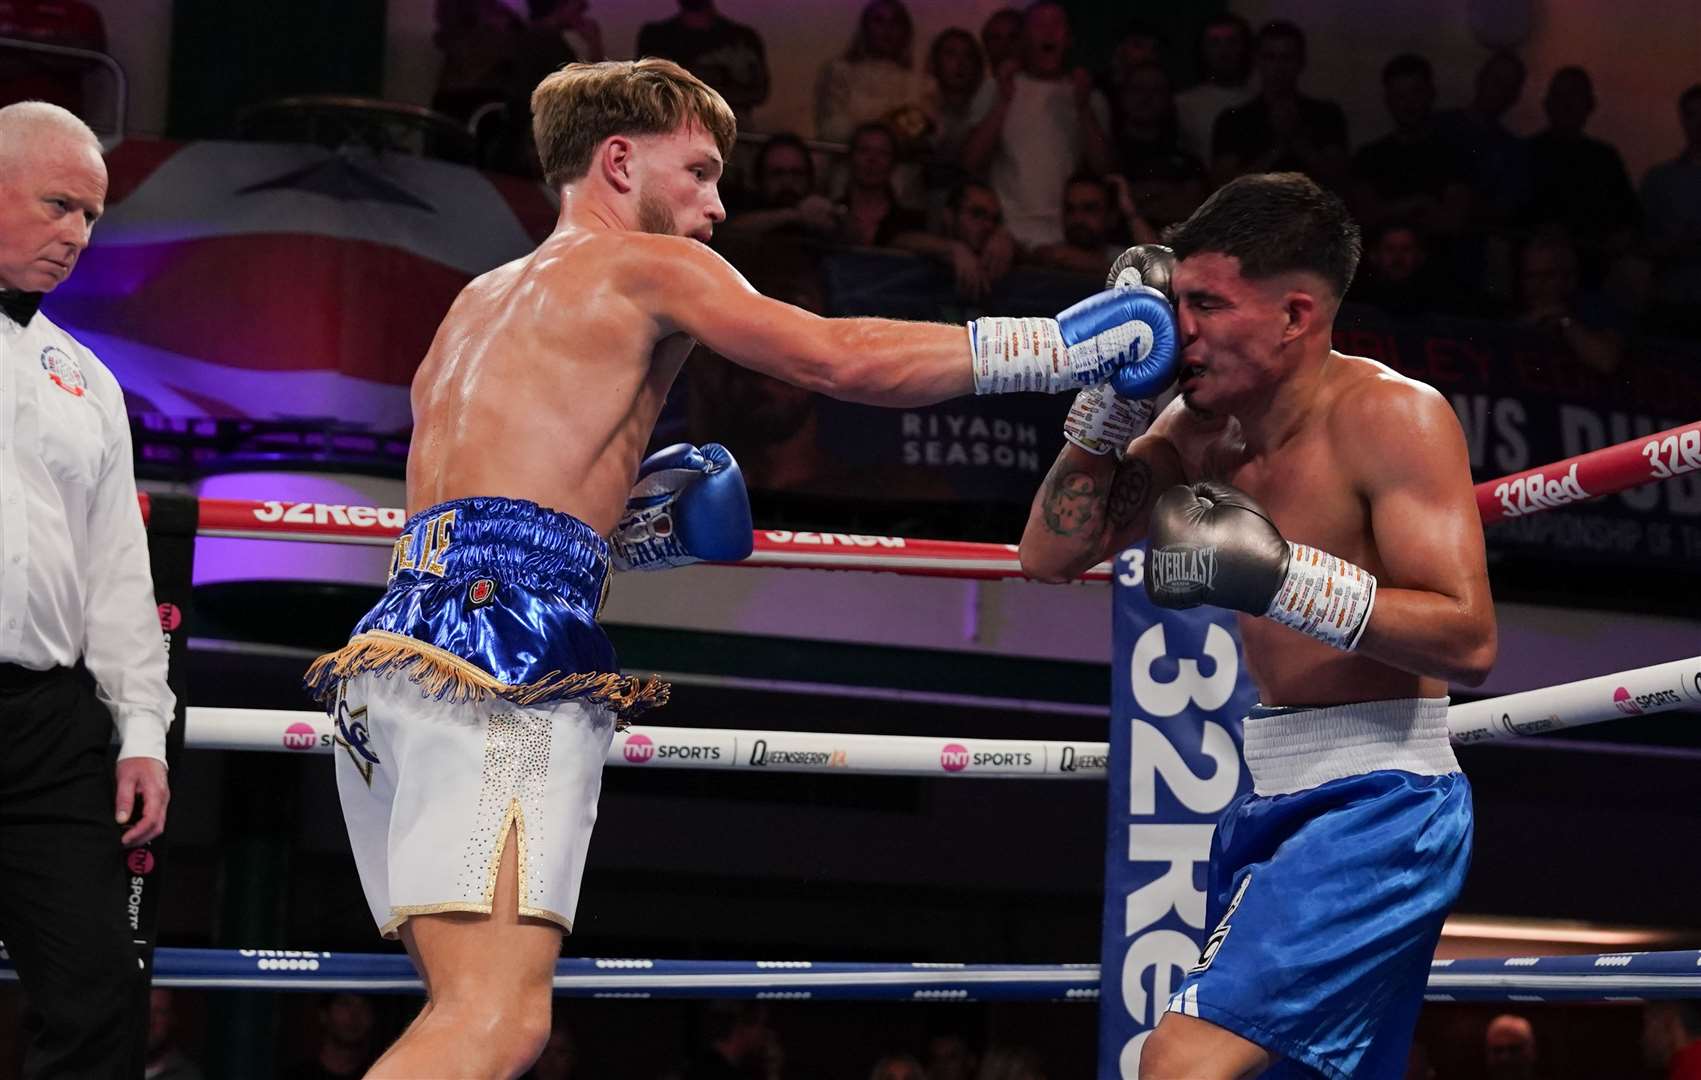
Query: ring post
x=1179, y=692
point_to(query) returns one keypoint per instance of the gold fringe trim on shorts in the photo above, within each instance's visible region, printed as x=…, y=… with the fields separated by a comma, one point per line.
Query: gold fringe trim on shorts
x=442, y=675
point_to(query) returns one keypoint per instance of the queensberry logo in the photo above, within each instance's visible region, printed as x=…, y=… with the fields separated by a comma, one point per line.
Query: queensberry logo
x=1071, y=760
x=761, y=756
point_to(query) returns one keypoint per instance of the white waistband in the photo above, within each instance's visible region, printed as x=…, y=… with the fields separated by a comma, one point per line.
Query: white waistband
x=1303, y=748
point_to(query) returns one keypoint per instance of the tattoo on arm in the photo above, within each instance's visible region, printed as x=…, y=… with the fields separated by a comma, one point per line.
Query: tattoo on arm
x=1129, y=492
x=1071, y=503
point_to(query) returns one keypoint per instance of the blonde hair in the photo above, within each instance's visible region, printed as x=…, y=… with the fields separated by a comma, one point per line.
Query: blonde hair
x=576, y=108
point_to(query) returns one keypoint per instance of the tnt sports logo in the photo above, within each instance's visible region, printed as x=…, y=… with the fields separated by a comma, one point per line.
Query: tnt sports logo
x=140, y=862
x=300, y=736
x=63, y=370
x=639, y=749
x=170, y=617
x=1635, y=705
x=954, y=757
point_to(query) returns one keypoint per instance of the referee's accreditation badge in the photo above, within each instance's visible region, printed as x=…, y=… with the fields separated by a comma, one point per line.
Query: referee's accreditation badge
x=64, y=370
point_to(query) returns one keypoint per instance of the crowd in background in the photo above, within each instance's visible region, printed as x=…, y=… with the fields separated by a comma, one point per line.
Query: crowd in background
x=745, y=1040
x=985, y=149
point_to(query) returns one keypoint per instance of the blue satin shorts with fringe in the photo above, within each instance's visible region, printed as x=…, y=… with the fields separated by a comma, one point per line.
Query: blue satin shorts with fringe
x=492, y=597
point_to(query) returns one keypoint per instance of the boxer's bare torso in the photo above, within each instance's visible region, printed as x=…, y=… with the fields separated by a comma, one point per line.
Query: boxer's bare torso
x=1317, y=491
x=543, y=383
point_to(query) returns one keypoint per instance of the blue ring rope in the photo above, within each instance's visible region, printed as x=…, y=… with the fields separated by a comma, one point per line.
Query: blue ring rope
x=1603, y=977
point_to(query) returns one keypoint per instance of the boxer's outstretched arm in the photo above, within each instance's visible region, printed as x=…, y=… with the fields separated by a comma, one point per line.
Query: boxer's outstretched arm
x=1091, y=506
x=1433, y=613
x=689, y=289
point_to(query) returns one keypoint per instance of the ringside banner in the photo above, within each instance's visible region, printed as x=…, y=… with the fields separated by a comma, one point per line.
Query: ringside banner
x=1179, y=693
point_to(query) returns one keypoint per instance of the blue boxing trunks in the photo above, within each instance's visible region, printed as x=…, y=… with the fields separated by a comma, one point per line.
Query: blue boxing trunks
x=492, y=598
x=1329, y=883
x=476, y=702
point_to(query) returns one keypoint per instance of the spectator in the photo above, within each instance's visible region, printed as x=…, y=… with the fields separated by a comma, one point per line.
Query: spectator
x=1165, y=181
x=1418, y=1066
x=1671, y=198
x=897, y=1067
x=741, y=1045
x=1579, y=182
x=1281, y=129
x=81, y=658
x=1509, y=1049
x=1671, y=1038
x=1411, y=173
x=1224, y=57
x=478, y=39
x=1495, y=160
x=1001, y=39
x=1553, y=301
x=165, y=1061
x=346, y=1025
x=570, y=21
x=874, y=79
x=727, y=55
x=37, y=77
x=1089, y=243
x=785, y=200
x=1037, y=127
x=956, y=72
x=950, y=1057
x=871, y=215
x=1009, y=1063
x=1140, y=43
x=560, y=1057
x=974, y=242
x=1397, y=275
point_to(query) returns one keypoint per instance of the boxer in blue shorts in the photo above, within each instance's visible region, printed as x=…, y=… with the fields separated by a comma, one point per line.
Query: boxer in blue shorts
x=1329, y=500
x=476, y=702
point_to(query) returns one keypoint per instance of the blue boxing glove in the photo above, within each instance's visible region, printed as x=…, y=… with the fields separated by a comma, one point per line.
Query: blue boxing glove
x=1102, y=419
x=688, y=506
x=1125, y=336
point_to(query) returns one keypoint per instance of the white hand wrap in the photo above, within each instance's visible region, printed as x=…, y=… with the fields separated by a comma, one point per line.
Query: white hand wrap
x=1102, y=422
x=1012, y=356
x=1325, y=597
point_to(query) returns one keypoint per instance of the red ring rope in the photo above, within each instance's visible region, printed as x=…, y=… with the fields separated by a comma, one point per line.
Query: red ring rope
x=1606, y=471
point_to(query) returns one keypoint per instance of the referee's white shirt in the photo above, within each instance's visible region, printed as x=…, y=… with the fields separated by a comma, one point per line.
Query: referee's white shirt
x=74, y=576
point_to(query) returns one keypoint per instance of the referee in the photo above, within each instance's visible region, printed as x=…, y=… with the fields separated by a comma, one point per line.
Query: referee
x=80, y=646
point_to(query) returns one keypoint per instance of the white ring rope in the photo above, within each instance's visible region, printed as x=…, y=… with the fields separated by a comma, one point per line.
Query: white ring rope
x=1642, y=691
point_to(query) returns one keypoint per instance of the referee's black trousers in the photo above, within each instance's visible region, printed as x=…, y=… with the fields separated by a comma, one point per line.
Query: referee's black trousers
x=62, y=882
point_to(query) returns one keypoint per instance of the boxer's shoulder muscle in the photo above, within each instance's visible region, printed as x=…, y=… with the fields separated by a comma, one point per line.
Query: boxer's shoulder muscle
x=1378, y=417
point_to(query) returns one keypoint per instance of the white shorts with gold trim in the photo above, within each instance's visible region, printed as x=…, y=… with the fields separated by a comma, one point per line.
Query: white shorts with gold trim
x=430, y=789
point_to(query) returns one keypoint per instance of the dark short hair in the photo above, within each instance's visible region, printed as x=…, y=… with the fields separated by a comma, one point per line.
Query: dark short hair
x=1689, y=95
x=960, y=191
x=1235, y=22
x=1282, y=28
x=874, y=127
x=1095, y=180
x=1407, y=65
x=1274, y=223
x=954, y=33
x=785, y=140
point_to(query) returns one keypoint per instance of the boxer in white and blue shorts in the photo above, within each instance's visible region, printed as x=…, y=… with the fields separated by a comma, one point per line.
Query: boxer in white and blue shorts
x=1326, y=912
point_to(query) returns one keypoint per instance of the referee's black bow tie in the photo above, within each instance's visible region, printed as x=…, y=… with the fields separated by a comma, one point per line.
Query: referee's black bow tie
x=20, y=307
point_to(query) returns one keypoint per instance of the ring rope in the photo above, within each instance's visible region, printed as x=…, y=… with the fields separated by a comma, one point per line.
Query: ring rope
x=1639, y=692
x=1606, y=471
x=1608, y=976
